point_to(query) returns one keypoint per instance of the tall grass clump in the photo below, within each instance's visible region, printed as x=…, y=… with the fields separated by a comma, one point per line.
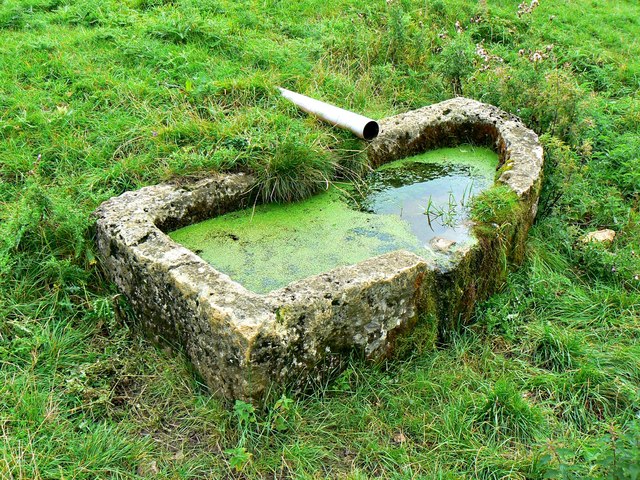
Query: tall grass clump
x=494, y=206
x=506, y=414
x=292, y=172
x=555, y=349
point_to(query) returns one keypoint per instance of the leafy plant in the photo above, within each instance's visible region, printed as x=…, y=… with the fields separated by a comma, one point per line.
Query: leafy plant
x=456, y=62
x=281, y=413
x=238, y=458
x=614, y=456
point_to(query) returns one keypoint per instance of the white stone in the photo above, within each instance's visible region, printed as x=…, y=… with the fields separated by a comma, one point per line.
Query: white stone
x=600, y=236
x=442, y=244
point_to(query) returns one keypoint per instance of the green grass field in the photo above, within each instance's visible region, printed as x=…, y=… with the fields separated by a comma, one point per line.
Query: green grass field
x=99, y=97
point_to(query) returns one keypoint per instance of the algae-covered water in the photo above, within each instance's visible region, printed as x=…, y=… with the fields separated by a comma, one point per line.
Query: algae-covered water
x=402, y=205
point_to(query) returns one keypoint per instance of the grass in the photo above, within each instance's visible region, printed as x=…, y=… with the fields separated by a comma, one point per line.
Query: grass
x=100, y=97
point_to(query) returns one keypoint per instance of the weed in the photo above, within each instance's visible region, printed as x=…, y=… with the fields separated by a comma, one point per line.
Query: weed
x=456, y=62
x=614, y=456
x=494, y=206
x=451, y=213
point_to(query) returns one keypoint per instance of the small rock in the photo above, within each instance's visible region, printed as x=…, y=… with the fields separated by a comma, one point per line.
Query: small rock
x=600, y=236
x=179, y=455
x=441, y=244
x=148, y=469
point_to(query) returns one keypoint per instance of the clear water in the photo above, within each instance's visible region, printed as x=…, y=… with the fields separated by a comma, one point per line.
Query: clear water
x=433, y=198
x=402, y=205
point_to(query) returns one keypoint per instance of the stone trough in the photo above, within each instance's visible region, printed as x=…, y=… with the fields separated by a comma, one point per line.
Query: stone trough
x=243, y=343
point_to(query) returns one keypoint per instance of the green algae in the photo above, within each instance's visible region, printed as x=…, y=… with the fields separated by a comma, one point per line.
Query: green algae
x=483, y=161
x=270, y=246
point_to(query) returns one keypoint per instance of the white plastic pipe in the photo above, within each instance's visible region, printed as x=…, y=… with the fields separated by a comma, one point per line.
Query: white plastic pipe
x=362, y=127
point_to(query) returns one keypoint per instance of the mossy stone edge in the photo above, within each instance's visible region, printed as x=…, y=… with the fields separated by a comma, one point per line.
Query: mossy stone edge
x=245, y=345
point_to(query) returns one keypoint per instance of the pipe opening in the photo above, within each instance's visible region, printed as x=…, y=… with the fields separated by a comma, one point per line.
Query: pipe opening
x=371, y=130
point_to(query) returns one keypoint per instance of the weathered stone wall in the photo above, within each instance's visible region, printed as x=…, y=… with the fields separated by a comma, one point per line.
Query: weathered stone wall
x=243, y=343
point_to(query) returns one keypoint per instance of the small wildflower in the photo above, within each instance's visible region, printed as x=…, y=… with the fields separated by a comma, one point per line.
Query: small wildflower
x=459, y=28
x=613, y=269
x=39, y=157
x=538, y=56
x=154, y=134
x=636, y=277
x=524, y=9
x=486, y=56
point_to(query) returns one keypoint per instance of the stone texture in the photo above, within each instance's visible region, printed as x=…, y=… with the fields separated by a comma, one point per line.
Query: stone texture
x=243, y=343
